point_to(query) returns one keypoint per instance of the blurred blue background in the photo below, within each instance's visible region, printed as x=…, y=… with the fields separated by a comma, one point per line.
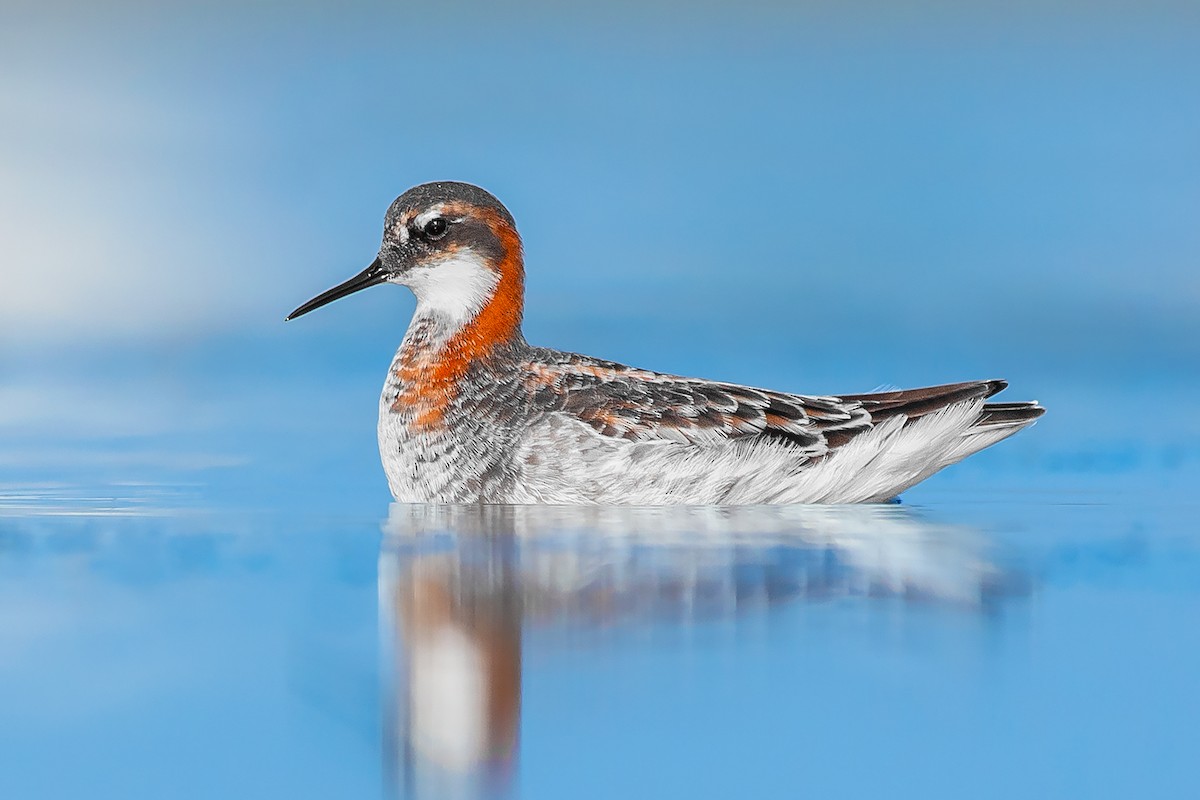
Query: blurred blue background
x=817, y=197
x=814, y=197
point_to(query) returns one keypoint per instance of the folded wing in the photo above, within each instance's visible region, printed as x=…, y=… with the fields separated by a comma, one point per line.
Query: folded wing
x=639, y=405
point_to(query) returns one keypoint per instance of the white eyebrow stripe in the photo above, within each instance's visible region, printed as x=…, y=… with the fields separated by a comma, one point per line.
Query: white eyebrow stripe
x=432, y=213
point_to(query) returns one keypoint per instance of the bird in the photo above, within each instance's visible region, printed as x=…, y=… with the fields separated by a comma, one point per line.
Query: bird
x=472, y=413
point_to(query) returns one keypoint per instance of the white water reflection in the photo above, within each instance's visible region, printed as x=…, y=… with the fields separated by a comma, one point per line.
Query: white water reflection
x=458, y=585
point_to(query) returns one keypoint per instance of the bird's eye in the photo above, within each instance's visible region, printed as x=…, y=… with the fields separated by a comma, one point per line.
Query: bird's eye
x=435, y=228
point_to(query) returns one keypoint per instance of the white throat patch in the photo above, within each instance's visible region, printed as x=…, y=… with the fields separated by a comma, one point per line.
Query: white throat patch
x=452, y=290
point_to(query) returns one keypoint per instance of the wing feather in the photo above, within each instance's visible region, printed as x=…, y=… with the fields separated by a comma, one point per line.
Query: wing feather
x=638, y=405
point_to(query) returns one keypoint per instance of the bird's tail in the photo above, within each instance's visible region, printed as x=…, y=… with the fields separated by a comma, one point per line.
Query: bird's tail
x=937, y=426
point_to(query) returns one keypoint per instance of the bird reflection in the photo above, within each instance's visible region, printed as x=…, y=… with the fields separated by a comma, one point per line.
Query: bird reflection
x=458, y=584
x=451, y=623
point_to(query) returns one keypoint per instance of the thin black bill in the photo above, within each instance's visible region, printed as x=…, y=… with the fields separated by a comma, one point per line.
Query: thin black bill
x=370, y=276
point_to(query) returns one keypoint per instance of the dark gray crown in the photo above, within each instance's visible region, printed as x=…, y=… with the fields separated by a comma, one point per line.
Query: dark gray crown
x=427, y=194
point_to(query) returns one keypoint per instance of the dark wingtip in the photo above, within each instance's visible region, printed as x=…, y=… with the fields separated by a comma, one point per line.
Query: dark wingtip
x=914, y=403
x=997, y=413
x=995, y=386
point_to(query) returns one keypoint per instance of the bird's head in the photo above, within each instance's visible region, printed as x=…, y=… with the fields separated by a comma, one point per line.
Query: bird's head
x=456, y=246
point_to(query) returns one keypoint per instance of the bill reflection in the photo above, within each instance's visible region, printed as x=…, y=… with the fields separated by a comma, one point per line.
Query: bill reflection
x=459, y=584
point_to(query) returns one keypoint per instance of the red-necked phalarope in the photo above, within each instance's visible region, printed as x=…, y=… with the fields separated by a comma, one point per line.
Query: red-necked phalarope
x=472, y=413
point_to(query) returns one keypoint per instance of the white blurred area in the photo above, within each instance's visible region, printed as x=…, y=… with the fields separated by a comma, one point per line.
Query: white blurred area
x=873, y=550
x=110, y=225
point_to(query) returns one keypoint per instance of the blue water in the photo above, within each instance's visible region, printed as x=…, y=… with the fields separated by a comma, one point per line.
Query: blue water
x=987, y=642
x=203, y=589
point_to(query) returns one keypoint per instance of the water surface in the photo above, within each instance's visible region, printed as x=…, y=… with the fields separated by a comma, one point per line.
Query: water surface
x=994, y=643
